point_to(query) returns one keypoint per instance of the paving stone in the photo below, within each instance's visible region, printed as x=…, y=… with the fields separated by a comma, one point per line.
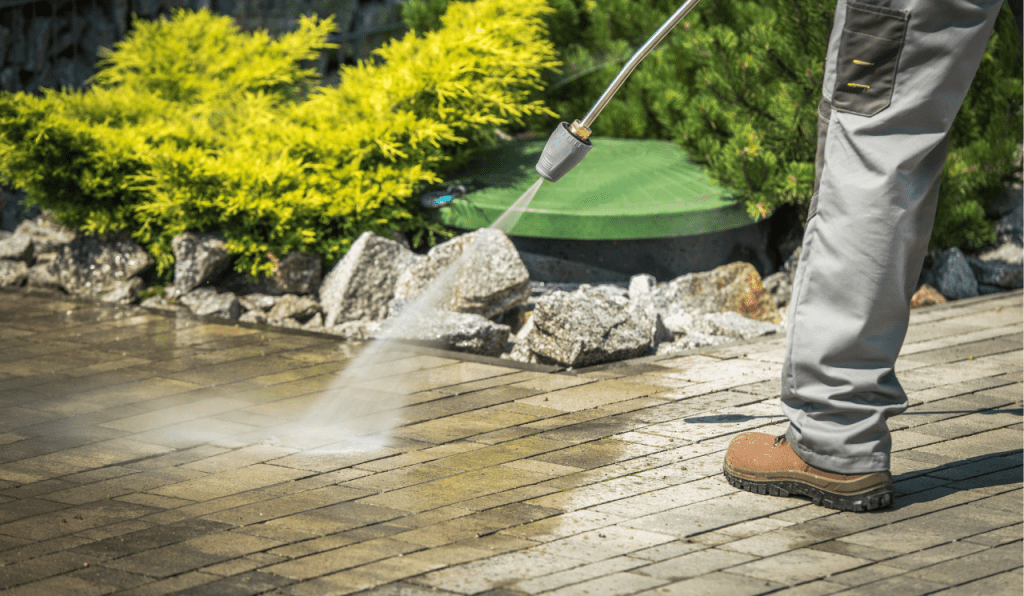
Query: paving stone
x=1001, y=584
x=998, y=537
x=577, y=576
x=715, y=583
x=900, y=584
x=694, y=564
x=973, y=566
x=171, y=584
x=932, y=529
x=62, y=585
x=605, y=543
x=243, y=584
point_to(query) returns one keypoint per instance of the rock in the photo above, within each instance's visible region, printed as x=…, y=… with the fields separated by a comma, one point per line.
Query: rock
x=488, y=277
x=1002, y=275
x=1010, y=228
x=257, y=302
x=46, y=236
x=124, y=292
x=780, y=287
x=160, y=302
x=92, y=267
x=734, y=287
x=299, y=273
x=953, y=275
x=588, y=326
x=641, y=287
x=926, y=295
x=299, y=308
x=12, y=273
x=462, y=332
x=1007, y=253
x=17, y=247
x=720, y=324
x=198, y=258
x=44, y=273
x=362, y=284
x=641, y=304
x=793, y=262
x=253, y=316
x=315, y=323
x=554, y=269
x=690, y=342
x=207, y=302
x=355, y=330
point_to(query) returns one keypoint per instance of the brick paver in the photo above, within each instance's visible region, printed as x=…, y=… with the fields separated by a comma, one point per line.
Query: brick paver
x=144, y=453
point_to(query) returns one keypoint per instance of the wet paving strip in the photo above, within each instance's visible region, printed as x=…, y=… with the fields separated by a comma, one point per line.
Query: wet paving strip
x=149, y=453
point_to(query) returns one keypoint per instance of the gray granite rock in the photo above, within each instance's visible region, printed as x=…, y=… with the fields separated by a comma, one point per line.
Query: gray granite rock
x=730, y=325
x=315, y=323
x=953, y=275
x=160, y=302
x=641, y=305
x=291, y=306
x=735, y=287
x=462, y=332
x=46, y=235
x=1007, y=253
x=17, y=247
x=253, y=316
x=1010, y=227
x=361, y=286
x=780, y=287
x=91, y=267
x=124, y=292
x=44, y=273
x=1006, y=276
x=12, y=273
x=585, y=327
x=299, y=273
x=482, y=271
x=355, y=330
x=206, y=302
x=258, y=302
x=198, y=258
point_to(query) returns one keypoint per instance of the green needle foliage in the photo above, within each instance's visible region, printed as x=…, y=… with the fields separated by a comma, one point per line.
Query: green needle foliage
x=194, y=125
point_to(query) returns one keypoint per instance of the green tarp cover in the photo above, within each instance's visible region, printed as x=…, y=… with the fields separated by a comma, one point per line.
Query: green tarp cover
x=624, y=189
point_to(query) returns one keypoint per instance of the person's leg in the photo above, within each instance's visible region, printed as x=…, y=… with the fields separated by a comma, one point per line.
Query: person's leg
x=895, y=76
x=866, y=240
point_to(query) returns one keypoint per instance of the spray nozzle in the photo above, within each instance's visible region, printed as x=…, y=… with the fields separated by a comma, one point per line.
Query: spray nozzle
x=440, y=198
x=566, y=147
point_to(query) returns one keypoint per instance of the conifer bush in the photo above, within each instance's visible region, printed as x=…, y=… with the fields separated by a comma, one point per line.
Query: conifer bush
x=192, y=124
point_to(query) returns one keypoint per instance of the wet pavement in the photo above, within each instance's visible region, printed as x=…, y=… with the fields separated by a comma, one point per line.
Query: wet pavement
x=144, y=453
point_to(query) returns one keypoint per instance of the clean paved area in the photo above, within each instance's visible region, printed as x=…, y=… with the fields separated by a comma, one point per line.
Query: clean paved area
x=146, y=454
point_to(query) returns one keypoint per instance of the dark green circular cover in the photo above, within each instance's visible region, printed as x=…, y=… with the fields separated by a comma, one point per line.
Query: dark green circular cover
x=623, y=189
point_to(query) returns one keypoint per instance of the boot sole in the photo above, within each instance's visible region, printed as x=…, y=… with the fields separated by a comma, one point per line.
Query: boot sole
x=867, y=501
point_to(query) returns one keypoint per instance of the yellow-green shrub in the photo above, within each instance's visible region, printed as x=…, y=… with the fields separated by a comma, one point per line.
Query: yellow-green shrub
x=193, y=124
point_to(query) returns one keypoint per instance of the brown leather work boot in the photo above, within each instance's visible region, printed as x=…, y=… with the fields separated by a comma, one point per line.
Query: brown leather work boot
x=764, y=464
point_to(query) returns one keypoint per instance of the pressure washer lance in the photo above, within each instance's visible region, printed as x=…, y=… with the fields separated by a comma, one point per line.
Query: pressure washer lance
x=569, y=144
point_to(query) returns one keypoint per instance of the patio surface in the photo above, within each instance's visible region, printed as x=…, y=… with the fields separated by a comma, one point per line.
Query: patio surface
x=147, y=454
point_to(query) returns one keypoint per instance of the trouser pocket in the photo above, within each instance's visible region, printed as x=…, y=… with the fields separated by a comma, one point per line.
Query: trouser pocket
x=869, y=51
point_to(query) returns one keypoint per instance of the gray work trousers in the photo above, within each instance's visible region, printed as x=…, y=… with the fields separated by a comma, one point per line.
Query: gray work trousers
x=896, y=74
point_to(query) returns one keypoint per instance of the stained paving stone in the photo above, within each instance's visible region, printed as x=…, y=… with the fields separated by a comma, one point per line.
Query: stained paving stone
x=148, y=445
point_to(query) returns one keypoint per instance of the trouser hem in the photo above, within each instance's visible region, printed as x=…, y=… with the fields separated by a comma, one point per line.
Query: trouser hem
x=875, y=462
